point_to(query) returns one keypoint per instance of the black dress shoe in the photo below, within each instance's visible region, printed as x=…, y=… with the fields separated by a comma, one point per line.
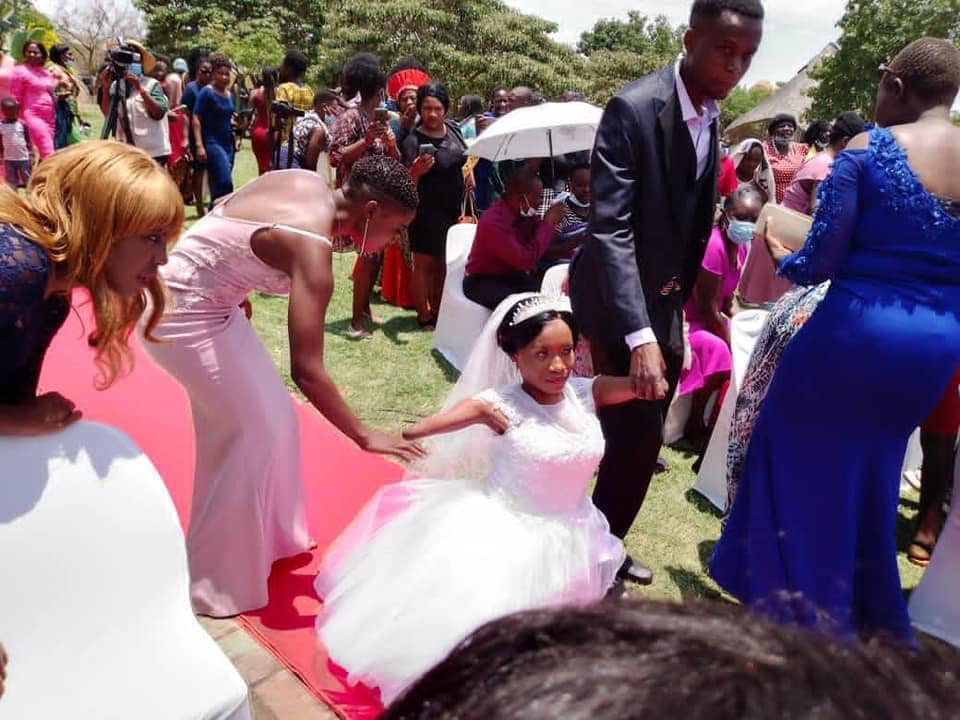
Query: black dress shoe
x=635, y=571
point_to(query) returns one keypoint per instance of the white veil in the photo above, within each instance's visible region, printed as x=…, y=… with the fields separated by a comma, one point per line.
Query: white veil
x=466, y=453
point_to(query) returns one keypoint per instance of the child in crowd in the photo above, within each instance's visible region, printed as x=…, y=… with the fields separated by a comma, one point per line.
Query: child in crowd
x=15, y=146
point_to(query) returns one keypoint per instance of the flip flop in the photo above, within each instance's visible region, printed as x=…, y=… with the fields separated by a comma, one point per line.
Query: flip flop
x=355, y=334
x=917, y=558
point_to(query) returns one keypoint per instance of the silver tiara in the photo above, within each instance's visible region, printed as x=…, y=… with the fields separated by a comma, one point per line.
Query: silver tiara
x=537, y=304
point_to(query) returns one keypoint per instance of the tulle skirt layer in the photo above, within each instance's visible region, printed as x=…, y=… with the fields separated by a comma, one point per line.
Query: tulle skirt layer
x=429, y=561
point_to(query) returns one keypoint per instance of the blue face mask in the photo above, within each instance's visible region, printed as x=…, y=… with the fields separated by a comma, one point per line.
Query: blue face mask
x=136, y=69
x=741, y=231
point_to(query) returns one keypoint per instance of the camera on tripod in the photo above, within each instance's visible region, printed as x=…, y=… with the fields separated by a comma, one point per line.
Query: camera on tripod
x=122, y=57
x=283, y=109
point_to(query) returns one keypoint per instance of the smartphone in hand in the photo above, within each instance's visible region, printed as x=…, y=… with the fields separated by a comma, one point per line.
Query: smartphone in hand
x=428, y=149
x=381, y=115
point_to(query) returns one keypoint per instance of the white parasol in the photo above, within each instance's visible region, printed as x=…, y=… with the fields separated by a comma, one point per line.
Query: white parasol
x=543, y=131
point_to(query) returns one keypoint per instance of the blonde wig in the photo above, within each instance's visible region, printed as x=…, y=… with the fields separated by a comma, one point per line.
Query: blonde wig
x=79, y=202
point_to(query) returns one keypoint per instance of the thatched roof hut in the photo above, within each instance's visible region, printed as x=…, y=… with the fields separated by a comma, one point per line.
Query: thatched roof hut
x=792, y=98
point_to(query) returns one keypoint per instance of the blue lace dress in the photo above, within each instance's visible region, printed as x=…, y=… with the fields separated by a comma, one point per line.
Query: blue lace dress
x=28, y=321
x=811, y=535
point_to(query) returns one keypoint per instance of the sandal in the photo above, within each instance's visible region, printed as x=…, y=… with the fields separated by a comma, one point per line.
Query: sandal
x=429, y=324
x=921, y=558
x=359, y=334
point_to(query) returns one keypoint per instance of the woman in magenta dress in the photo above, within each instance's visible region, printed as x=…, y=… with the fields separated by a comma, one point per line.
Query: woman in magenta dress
x=708, y=307
x=32, y=87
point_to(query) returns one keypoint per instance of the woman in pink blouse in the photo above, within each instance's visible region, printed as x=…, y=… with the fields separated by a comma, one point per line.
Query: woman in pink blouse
x=32, y=86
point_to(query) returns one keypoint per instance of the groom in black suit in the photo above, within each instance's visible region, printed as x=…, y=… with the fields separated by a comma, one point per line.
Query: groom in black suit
x=654, y=173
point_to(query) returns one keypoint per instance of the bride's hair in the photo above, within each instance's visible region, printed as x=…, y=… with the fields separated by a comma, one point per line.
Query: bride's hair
x=514, y=337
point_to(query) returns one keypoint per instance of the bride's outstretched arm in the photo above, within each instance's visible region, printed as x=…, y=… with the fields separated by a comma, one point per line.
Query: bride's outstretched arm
x=609, y=390
x=465, y=413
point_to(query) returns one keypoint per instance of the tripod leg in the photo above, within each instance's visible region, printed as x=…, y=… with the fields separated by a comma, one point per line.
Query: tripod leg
x=110, y=124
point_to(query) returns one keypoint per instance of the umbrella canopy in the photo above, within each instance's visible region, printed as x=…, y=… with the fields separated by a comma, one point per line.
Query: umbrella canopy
x=542, y=131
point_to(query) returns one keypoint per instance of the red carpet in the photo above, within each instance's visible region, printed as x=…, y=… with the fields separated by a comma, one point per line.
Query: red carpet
x=154, y=410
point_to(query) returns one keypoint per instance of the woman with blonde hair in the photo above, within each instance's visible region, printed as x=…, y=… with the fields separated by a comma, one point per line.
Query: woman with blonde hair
x=98, y=216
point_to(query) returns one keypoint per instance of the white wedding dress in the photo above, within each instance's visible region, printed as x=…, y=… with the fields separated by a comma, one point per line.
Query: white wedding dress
x=428, y=561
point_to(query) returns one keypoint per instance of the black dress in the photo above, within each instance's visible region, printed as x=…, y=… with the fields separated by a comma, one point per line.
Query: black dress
x=28, y=320
x=441, y=190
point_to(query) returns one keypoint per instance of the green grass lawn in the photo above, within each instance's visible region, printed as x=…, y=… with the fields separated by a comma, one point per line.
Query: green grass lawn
x=395, y=378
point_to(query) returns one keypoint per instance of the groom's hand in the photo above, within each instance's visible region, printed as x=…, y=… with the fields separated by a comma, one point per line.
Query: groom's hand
x=647, y=370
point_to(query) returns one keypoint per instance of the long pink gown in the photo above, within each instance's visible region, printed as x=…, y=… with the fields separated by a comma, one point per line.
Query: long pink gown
x=248, y=498
x=32, y=87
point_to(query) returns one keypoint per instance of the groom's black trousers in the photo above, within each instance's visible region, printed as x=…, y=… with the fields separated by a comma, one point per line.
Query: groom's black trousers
x=633, y=431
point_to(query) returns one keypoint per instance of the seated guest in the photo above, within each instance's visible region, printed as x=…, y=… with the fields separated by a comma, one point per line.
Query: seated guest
x=801, y=195
x=710, y=305
x=572, y=228
x=509, y=242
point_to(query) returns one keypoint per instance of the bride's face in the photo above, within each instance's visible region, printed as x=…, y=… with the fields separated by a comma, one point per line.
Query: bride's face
x=546, y=363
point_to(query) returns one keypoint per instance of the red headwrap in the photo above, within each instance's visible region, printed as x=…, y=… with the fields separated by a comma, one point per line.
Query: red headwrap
x=403, y=79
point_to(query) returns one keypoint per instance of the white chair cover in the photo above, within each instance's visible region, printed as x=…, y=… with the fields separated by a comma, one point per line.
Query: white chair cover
x=460, y=320
x=95, y=608
x=553, y=280
x=745, y=329
x=935, y=603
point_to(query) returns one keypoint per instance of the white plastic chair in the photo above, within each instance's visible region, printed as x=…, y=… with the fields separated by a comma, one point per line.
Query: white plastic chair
x=933, y=604
x=460, y=320
x=95, y=608
x=745, y=329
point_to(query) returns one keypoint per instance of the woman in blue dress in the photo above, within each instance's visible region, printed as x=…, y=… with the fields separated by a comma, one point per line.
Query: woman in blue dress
x=97, y=215
x=811, y=536
x=213, y=128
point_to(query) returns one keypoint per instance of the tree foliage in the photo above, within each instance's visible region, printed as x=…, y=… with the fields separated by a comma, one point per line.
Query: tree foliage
x=620, y=51
x=252, y=32
x=742, y=100
x=21, y=21
x=471, y=47
x=637, y=34
x=873, y=31
x=88, y=26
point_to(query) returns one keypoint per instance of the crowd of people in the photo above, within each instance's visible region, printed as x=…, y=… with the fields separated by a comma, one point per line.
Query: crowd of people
x=659, y=232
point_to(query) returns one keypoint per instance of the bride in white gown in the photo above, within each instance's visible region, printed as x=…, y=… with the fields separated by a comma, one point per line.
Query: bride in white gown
x=496, y=521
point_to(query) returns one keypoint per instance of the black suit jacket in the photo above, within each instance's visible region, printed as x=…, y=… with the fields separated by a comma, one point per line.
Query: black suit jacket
x=650, y=217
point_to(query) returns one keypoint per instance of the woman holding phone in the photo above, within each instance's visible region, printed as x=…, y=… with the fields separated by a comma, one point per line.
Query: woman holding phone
x=362, y=130
x=436, y=153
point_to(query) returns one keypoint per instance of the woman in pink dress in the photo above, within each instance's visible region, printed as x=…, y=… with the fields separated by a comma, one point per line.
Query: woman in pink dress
x=710, y=304
x=801, y=194
x=272, y=236
x=32, y=87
